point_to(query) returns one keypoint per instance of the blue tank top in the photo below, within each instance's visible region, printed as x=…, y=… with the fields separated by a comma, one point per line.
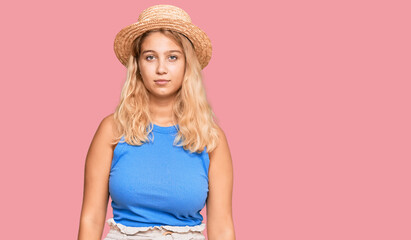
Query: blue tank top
x=157, y=183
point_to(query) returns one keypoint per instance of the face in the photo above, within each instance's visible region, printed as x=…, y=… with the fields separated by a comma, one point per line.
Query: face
x=161, y=58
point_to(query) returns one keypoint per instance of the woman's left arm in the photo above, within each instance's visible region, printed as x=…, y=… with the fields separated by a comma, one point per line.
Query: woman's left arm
x=220, y=224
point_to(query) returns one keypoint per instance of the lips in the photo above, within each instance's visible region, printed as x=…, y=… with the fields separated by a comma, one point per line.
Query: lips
x=161, y=80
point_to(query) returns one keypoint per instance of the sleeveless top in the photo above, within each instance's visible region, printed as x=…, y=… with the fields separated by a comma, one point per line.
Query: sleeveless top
x=156, y=183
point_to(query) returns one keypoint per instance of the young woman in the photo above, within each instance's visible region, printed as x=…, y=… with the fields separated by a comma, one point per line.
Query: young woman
x=160, y=155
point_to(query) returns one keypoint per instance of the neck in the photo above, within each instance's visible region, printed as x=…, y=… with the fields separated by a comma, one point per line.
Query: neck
x=161, y=111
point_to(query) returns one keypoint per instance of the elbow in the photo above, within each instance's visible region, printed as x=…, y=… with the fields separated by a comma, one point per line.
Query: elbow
x=225, y=233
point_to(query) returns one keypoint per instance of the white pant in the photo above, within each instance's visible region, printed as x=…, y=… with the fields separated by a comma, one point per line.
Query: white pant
x=121, y=232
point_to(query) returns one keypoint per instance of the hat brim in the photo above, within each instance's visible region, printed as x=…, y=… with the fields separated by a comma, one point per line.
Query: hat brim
x=126, y=36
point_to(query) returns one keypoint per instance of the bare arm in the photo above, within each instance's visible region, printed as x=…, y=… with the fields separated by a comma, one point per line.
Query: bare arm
x=96, y=174
x=220, y=224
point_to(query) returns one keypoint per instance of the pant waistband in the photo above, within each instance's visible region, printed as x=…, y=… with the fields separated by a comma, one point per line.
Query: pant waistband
x=119, y=231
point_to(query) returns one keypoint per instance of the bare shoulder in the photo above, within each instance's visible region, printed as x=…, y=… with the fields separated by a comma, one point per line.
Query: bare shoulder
x=108, y=123
x=101, y=142
x=222, y=146
x=220, y=132
x=106, y=128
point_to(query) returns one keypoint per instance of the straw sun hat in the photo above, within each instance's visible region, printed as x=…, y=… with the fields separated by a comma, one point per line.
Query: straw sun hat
x=163, y=16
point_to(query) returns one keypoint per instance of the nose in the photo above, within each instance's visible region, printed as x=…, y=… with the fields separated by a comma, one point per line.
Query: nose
x=161, y=67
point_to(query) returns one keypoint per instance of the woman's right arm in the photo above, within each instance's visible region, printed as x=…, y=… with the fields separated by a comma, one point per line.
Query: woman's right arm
x=96, y=175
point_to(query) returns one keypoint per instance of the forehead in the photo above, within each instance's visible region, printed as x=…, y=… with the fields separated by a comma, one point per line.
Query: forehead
x=158, y=42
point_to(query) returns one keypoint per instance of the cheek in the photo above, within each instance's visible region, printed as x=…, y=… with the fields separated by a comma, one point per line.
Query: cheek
x=180, y=69
x=146, y=71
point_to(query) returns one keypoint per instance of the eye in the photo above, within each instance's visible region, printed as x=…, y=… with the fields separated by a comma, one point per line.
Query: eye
x=148, y=57
x=174, y=56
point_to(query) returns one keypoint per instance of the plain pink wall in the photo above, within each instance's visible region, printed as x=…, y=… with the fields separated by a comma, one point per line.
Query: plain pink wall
x=314, y=97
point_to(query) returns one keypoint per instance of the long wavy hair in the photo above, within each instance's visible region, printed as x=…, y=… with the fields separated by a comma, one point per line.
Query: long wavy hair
x=196, y=124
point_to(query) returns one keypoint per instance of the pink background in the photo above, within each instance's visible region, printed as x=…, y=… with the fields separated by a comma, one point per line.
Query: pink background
x=314, y=97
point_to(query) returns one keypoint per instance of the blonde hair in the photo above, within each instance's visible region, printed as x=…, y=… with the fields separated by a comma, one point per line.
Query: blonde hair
x=192, y=111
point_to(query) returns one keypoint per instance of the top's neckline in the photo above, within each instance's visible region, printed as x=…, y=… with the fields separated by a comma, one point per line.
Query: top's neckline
x=168, y=129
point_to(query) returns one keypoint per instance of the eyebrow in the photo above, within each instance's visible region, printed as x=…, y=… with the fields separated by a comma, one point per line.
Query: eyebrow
x=146, y=51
